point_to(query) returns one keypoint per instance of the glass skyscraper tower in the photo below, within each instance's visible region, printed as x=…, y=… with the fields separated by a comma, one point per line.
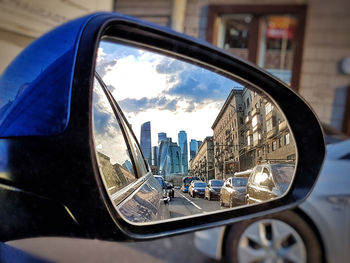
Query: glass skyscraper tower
x=145, y=139
x=184, y=151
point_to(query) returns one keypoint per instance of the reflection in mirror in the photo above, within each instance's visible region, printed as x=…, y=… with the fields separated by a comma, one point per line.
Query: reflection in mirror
x=220, y=142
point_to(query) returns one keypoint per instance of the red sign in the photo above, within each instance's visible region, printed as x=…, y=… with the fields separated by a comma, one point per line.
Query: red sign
x=280, y=32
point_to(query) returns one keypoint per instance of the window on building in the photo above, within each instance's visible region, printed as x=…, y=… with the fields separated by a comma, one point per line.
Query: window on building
x=287, y=138
x=269, y=125
x=274, y=145
x=263, y=35
x=248, y=139
x=255, y=137
x=248, y=103
x=268, y=108
x=255, y=121
x=280, y=142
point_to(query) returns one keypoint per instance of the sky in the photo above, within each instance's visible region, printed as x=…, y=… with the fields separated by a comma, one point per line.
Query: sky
x=172, y=94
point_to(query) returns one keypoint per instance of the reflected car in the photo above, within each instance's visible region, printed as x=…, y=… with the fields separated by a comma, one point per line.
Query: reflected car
x=170, y=189
x=268, y=181
x=233, y=192
x=164, y=186
x=316, y=231
x=197, y=188
x=212, y=191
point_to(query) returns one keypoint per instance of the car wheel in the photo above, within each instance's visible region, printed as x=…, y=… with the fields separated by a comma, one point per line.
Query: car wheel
x=283, y=237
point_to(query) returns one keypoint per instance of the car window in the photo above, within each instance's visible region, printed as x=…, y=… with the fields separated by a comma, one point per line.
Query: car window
x=261, y=178
x=216, y=183
x=282, y=174
x=160, y=181
x=240, y=181
x=140, y=161
x=200, y=184
x=113, y=155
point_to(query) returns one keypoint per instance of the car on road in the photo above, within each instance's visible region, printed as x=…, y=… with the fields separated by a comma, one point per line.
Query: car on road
x=164, y=186
x=318, y=230
x=268, y=181
x=212, y=190
x=197, y=188
x=170, y=189
x=186, y=181
x=233, y=191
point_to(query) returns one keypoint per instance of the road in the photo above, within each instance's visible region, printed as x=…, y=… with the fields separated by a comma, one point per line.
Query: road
x=184, y=205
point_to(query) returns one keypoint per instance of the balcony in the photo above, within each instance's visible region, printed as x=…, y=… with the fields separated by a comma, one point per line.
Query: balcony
x=271, y=133
x=282, y=126
x=270, y=115
x=255, y=111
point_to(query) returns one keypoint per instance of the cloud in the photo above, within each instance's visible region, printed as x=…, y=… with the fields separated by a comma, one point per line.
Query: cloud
x=202, y=86
x=137, y=105
x=170, y=66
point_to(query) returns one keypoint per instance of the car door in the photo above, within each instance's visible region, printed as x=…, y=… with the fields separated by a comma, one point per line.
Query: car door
x=121, y=162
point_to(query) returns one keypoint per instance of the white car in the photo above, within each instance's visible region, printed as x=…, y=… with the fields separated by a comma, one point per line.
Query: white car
x=318, y=230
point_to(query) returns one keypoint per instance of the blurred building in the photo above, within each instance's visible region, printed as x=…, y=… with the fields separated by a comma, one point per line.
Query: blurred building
x=169, y=158
x=301, y=42
x=161, y=136
x=145, y=141
x=193, y=148
x=202, y=165
x=182, y=136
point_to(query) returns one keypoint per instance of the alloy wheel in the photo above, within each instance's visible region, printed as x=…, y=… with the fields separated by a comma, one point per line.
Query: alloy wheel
x=271, y=240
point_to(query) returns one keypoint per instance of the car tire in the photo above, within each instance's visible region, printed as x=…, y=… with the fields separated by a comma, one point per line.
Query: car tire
x=237, y=242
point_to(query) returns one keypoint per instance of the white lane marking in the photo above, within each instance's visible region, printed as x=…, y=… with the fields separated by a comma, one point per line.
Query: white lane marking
x=190, y=201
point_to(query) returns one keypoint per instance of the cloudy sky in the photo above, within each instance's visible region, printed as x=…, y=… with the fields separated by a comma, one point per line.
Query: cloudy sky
x=173, y=95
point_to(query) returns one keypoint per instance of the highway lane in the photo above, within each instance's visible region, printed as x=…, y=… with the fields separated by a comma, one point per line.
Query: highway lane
x=184, y=205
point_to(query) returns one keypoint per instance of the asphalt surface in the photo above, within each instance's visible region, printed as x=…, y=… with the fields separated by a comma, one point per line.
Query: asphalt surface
x=184, y=205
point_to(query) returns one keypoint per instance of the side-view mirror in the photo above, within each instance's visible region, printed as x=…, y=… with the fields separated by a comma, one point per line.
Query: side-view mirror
x=71, y=164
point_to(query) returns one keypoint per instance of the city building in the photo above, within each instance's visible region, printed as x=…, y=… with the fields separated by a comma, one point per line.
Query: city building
x=202, y=165
x=169, y=158
x=145, y=141
x=182, y=136
x=249, y=130
x=228, y=137
x=193, y=148
x=161, y=136
x=155, y=150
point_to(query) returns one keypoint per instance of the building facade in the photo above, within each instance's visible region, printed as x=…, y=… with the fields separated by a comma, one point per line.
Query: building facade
x=202, y=165
x=145, y=141
x=228, y=138
x=249, y=130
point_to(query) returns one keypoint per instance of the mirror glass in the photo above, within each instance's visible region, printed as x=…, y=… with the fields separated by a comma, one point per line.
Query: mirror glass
x=209, y=141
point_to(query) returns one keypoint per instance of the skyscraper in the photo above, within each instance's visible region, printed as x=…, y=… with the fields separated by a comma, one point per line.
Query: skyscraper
x=193, y=148
x=161, y=137
x=155, y=155
x=184, y=151
x=145, y=139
